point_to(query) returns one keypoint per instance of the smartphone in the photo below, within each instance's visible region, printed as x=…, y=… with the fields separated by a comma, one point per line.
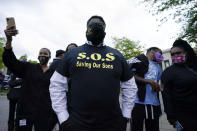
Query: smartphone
x=178, y=126
x=11, y=24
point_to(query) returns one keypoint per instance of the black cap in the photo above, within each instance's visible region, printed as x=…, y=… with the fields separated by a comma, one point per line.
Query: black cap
x=59, y=52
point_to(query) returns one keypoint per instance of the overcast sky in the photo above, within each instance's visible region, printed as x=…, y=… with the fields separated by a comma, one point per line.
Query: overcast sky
x=56, y=23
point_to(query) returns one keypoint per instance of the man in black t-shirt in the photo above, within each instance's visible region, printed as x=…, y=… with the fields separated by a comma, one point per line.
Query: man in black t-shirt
x=96, y=73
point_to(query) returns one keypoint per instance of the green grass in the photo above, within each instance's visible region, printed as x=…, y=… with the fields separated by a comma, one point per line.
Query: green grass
x=4, y=92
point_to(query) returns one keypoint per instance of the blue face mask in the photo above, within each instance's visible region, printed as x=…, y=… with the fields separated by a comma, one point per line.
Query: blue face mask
x=158, y=57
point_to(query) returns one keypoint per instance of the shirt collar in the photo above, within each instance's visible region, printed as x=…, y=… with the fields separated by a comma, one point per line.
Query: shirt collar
x=99, y=45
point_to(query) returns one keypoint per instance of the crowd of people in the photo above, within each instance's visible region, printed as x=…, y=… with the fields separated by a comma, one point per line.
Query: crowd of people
x=80, y=90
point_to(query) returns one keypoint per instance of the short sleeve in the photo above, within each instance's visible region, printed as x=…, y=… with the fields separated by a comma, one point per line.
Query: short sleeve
x=126, y=71
x=63, y=67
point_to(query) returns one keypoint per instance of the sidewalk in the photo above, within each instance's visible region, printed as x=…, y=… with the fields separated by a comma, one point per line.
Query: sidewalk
x=164, y=125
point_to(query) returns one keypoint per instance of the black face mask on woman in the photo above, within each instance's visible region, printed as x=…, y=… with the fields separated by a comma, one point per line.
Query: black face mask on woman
x=95, y=33
x=43, y=59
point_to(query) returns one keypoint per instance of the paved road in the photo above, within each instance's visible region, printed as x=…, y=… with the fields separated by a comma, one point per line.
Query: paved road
x=3, y=113
x=164, y=126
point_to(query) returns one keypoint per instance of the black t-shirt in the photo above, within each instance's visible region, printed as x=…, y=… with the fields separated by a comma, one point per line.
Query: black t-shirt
x=181, y=85
x=55, y=63
x=95, y=74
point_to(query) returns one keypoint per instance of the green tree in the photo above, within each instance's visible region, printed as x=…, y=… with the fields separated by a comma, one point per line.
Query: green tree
x=2, y=43
x=31, y=61
x=23, y=57
x=195, y=49
x=182, y=11
x=127, y=47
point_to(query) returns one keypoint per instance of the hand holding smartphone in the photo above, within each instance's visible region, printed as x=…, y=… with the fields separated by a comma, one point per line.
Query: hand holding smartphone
x=11, y=27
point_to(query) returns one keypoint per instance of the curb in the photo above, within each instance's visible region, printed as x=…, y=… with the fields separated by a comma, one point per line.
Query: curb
x=1, y=94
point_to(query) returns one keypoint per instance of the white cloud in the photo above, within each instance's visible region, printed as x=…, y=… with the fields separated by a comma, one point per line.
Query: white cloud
x=56, y=23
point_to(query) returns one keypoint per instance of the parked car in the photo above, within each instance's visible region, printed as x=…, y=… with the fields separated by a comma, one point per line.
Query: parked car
x=5, y=85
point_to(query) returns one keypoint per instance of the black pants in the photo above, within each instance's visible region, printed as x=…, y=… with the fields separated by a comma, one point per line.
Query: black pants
x=26, y=124
x=42, y=121
x=72, y=126
x=11, y=118
x=149, y=114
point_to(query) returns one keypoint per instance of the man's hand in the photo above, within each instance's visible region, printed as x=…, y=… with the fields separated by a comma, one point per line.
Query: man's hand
x=9, y=33
x=126, y=119
x=64, y=126
x=172, y=122
x=155, y=86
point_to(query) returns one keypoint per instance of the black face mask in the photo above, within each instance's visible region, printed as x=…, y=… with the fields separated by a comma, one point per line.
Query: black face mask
x=95, y=33
x=43, y=59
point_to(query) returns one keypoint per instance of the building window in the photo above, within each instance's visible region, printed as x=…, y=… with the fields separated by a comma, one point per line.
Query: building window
x=166, y=63
x=160, y=64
